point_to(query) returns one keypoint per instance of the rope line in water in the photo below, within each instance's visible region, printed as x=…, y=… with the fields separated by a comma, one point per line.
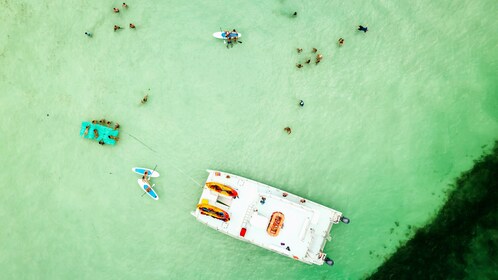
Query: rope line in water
x=177, y=168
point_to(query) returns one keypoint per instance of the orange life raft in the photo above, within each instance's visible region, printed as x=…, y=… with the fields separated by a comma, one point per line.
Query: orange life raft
x=222, y=189
x=213, y=211
x=276, y=223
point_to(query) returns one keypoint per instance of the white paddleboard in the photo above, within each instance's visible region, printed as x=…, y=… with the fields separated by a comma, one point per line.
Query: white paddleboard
x=221, y=35
x=151, y=192
x=141, y=171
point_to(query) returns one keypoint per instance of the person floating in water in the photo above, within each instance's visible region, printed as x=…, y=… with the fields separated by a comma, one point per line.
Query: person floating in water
x=301, y=103
x=235, y=35
x=96, y=133
x=341, y=41
x=363, y=28
x=144, y=100
x=288, y=130
x=86, y=130
x=132, y=25
x=88, y=34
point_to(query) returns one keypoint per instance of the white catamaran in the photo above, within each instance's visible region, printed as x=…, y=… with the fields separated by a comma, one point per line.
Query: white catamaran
x=268, y=217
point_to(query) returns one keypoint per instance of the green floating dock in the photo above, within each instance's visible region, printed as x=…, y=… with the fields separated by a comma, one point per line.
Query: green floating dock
x=103, y=131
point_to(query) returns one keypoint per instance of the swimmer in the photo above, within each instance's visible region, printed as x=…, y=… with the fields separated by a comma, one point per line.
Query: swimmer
x=96, y=133
x=116, y=10
x=301, y=103
x=124, y=5
x=299, y=50
x=318, y=58
x=88, y=34
x=116, y=27
x=116, y=126
x=102, y=121
x=308, y=61
x=363, y=28
x=86, y=130
x=299, y=65
x=108, y=123
x=236, y=36
x=294, y=14
x=101, y=142
x=314, y=50
x=288, y=130
x=145, y=180
x=144, y=100
x=94, y=121
x=341, y=41
x=132, y=25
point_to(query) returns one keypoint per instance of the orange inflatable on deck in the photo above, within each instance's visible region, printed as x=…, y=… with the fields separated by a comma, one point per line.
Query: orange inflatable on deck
x=213, y=211
x=276, y=223
x=222, y=189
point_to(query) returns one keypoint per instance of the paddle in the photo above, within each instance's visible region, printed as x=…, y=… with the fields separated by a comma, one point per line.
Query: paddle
x=153, y=170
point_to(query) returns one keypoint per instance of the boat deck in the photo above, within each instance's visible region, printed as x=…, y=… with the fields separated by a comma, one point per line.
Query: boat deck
x=305, y=228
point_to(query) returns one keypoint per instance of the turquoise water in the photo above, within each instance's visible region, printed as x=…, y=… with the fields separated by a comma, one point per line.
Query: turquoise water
x=389, y=120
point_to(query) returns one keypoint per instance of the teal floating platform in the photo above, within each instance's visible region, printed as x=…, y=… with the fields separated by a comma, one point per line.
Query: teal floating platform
x=103, y=132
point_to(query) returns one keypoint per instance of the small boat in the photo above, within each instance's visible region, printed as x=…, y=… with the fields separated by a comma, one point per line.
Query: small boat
x=276, y=223
x=213, y=211
x=222, y=189
x=141, y=171
x=223, y=36
x=148, y=189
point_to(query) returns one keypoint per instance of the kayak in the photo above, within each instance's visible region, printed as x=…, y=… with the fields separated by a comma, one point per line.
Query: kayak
x=141, y=171
x=148, y=189
x=222, y=35
x=222, y=189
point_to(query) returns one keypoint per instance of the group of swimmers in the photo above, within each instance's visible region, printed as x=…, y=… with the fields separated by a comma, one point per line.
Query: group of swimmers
x=319, y=56
x=231, y=38
x=116, y=10
x=317, y=59
x=106, y=123
x=116, y=27
x=96, y=132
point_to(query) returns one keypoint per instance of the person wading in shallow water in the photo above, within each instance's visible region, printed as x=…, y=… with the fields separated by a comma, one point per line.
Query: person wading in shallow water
x=144, y=100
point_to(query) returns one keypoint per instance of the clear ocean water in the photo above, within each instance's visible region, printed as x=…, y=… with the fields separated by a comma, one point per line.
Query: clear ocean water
x=390, y=119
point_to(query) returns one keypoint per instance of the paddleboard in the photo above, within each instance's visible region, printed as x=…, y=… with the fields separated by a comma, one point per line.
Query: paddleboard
x=221, y=35
x=151, y=192
x=141, y=170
